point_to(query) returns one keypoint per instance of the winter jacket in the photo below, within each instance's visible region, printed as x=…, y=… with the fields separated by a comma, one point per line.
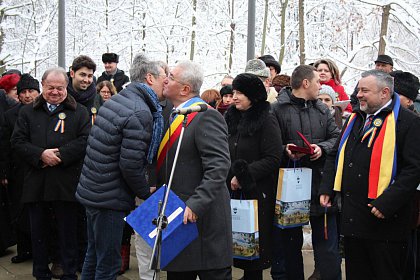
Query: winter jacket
x=313, y=119
x=116, y=157
x=34, y=132
x=255, y=147
x=88, y=98
x=395, y=202
x=339, y=89
x=119, y=79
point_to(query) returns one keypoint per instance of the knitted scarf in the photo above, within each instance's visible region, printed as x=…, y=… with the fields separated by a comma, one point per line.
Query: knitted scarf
x=158, y=121
x=383, y=161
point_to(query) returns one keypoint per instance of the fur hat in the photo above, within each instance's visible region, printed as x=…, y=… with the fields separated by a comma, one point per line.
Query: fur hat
x=385, y=59
x=8, y=82
x=270, y=61
x=257, y=67
x=326, y=89
x=406, y=84
x=226, y=90
x=250, y=85
x=280, y=81
x=27, y=82
x=110, y=57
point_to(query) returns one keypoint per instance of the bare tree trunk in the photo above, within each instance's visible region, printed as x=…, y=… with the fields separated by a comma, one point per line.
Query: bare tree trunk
x=2, y=16
x=264, y=27
x=193, y=26
x=107, y=21
x=283, y=30
x=301, y=32
x=232, y=36
x=384, y=28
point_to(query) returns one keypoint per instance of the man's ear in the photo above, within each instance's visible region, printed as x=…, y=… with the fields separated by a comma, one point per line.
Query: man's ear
x=186, y=90
x=386, y=93
x=72, y=73
x=149, y=79
x=305, y=83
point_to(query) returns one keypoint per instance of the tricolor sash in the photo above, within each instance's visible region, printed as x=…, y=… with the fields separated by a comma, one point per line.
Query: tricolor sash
x=175, y=129
x=383, y=161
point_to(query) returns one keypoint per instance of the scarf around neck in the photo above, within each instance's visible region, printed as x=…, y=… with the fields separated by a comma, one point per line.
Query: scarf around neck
x=383, y=161
x=158, y=121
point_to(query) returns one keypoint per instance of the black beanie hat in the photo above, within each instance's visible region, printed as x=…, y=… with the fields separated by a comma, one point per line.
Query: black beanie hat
x=227, y=89
x=27, y=82
x=110, y=57
x=250, y=85
x=406, y=84
x=270, y=61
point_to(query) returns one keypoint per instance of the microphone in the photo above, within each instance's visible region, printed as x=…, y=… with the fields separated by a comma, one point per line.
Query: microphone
x=191, y=109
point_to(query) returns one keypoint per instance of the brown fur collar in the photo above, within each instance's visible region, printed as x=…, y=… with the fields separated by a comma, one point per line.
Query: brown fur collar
x=69, y=102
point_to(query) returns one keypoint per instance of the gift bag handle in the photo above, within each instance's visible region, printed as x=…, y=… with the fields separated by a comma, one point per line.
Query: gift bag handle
x=296, y=164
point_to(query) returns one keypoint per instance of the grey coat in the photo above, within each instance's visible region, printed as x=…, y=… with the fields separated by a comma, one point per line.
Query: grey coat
x=200, y=181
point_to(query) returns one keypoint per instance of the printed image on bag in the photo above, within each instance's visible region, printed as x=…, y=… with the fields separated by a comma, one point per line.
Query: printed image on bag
x=293, y=197
x=245, y=234
x=292, y=214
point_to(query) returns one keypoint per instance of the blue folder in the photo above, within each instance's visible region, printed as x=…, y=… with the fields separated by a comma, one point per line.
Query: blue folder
x=175, y=237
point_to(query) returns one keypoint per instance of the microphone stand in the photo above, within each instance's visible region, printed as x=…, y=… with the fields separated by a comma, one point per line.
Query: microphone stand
x=161, y=221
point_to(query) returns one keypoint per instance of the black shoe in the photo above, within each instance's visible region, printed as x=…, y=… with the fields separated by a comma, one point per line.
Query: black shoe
x=22, y=257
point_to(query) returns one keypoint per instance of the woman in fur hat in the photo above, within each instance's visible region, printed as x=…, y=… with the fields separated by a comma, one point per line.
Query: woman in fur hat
x=255, y=149
x=8, y=83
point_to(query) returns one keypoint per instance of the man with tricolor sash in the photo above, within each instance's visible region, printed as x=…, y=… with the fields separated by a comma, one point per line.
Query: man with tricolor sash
x=199, y=178
x=375, y=164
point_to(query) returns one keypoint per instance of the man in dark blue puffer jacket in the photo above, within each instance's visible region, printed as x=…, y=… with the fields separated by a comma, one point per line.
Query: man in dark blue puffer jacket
x=124, y=139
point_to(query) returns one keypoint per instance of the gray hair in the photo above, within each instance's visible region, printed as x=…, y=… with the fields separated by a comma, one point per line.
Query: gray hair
x=383, y=79
x=142, y=66
x=164, y=66
x=55, y=70
x=191, y=74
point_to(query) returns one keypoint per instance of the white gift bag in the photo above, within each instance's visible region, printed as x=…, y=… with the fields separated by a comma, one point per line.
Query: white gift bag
x=245, y=233
x=293, y=197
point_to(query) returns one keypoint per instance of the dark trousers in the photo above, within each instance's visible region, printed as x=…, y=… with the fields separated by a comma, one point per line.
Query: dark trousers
x=326, y=254
x=214, y=274
x=66, y=222
x=410, y=270
x=374, y=259
x=287, y=261
x=23, y=233
x=253, y=275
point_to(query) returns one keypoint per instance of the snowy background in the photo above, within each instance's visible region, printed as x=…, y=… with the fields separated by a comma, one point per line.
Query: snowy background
x=343, y=30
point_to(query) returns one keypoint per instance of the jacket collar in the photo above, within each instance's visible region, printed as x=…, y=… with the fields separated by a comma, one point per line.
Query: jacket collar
x=69, y=103
x=286, y=97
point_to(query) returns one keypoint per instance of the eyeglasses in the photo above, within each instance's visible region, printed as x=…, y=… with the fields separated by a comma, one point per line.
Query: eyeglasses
x=172, y=78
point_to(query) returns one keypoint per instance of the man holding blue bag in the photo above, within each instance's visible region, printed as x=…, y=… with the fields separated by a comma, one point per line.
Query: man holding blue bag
x=298, y=110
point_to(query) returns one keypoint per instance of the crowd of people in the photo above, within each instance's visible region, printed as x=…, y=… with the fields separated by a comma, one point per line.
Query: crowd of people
x=78, y=154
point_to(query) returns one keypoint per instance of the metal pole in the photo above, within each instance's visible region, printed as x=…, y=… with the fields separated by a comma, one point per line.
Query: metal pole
x=62, y=33
x=250, y=50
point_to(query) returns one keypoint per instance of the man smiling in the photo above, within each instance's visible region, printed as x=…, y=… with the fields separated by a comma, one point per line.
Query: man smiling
x=375, y=164
x=82, y=85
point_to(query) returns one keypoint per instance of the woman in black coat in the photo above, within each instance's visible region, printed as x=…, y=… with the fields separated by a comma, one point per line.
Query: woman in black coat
x=255, y=149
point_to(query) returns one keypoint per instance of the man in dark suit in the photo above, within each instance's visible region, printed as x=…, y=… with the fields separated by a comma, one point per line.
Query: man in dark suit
x=200, y=181
x=375, y=165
